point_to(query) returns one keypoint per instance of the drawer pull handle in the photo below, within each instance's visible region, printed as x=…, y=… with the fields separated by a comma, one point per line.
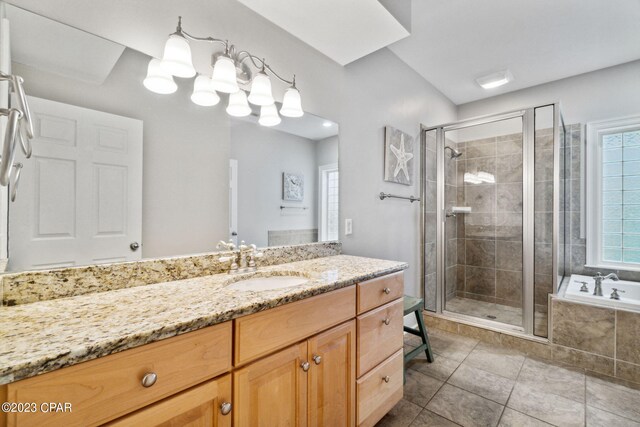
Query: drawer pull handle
x=149, y=379
x=386, y=291
x=225, y=408
x=386, y=379
x=305, y=366
x=386, y=321
x=317, y=359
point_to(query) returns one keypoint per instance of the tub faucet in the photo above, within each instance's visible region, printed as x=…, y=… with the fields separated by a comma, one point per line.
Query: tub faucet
x=597, y=291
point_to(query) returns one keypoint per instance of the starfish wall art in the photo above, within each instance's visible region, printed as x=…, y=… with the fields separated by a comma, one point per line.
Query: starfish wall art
x=398, y=156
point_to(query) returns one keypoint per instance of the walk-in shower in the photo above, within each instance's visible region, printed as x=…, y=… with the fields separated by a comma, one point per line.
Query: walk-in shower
x=492, y=215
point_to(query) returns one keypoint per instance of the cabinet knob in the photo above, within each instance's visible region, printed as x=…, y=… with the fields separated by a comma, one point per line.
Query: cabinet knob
x=225, y=408
x=386, y=321
x=305, y=366
x=386, y=379
x=134, y=246
x=386, y=291
x=149, y=379
x=317, y=359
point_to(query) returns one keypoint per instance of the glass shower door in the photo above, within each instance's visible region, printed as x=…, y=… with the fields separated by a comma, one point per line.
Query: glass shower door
x=483, y=220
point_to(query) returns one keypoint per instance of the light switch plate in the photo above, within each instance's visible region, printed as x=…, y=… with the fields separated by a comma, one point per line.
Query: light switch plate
x=348, y=227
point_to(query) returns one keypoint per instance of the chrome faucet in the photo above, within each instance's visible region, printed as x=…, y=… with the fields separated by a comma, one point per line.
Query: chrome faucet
x=243, y=259
x=597, y=291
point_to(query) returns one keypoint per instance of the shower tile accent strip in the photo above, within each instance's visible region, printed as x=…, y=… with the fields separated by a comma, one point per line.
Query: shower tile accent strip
x=599, y=339
x=32, y=286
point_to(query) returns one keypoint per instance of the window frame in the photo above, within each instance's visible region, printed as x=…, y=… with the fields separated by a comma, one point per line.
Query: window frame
x=323, y=172
x=595, y=132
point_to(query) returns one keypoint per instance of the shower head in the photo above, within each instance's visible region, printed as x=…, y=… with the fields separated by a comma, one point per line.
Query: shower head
x=454, y=153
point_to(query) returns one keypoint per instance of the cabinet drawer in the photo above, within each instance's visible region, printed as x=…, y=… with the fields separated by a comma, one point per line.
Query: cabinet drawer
x=376, y=292
x=376, y=396
x=198, y=406
x=378, y=340
x=262, y=333
x=109, y=387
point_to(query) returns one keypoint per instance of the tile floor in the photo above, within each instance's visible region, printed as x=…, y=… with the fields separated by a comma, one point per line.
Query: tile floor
x=472, y=383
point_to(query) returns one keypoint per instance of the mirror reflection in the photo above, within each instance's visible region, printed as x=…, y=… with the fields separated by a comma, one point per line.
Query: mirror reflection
x=120, y=173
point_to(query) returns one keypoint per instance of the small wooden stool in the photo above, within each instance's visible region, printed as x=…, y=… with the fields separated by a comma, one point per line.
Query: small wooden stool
x=414, y=305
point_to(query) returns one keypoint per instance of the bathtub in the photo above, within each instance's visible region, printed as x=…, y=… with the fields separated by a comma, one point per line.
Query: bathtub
x=629, y=292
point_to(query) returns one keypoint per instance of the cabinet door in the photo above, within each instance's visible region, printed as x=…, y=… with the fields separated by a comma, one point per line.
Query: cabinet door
x=273, y=391
x=332, y=377
x=200, y=406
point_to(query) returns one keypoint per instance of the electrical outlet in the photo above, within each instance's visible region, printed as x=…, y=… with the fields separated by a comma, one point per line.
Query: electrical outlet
x=348, y=227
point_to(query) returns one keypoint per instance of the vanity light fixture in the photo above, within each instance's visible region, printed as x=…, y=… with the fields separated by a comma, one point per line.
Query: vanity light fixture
x=158, y=80
x=269, y=115
x=231, y=71
x=496, y=79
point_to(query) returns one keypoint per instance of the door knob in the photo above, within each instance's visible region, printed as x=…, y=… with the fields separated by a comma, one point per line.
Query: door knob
x=386, y=321
x=134, y=246
x=386, y=291
x=386, y=379
x=305, y=366
x=317, y=359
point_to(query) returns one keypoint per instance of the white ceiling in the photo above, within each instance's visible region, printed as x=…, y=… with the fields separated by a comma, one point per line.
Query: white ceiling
x=59, y=49
x=455, y=41
x=344, y=30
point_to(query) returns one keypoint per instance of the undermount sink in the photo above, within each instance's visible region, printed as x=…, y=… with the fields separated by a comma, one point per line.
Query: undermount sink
x=267, y=283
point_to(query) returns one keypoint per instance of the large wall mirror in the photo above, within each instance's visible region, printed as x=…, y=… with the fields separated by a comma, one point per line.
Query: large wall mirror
x=120, y=173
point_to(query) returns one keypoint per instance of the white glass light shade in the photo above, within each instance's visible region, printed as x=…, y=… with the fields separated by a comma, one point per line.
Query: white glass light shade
x=238, y=105
x=269, y=115
x=291, y=103
x=224, y=75
x=203, y=94
x=158, y=80
x=176, y=59
x=261, y=90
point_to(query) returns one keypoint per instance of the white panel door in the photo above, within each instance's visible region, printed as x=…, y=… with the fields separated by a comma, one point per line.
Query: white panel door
x=80, y=199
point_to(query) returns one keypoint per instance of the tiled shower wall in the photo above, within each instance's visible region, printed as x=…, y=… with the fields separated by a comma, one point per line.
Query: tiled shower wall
x=489, y=239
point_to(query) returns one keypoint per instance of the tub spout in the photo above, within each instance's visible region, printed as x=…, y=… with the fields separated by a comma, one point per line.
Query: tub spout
x=598, y=278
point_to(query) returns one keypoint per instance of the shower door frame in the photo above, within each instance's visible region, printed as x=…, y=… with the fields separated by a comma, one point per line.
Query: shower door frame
x=528, y=214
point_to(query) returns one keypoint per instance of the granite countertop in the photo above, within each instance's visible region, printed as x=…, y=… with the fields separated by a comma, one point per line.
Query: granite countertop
x=47, y=335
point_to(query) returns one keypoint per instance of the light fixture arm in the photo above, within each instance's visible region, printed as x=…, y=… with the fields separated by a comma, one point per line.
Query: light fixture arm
x=229, y=49
x=262, y=65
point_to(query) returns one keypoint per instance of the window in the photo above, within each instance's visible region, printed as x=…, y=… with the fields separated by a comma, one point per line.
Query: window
x=613, y=194
x=329, y=187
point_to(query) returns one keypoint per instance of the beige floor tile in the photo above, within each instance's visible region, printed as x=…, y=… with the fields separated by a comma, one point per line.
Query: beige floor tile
x=614, y=398
x=554, y=379
x=483, y=383
x=497, y=360
x=599, y=418
x=420, y=388
x=401, y=415
x=465, y=408
x=511, y=418
x=451, y=346
x=441, y=368
x=553, y=409
x=426, y=418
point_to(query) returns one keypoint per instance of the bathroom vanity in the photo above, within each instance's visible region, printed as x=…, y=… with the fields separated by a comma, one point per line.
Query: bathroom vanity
x=328, y=352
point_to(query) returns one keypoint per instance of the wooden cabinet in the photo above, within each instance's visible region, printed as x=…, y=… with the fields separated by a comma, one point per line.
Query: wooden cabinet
x=308, y=363
x=106, y=388
x=379, y=344
x=200, y=406
x=332, y=377
x=310, y=383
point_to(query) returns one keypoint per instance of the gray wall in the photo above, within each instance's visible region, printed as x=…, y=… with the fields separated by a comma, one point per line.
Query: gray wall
x=185, y=153
x=263, y=154
x=327, y=150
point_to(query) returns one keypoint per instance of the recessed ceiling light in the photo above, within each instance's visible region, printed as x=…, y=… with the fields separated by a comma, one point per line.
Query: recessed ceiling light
x=494, y=80
x=327, y=124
